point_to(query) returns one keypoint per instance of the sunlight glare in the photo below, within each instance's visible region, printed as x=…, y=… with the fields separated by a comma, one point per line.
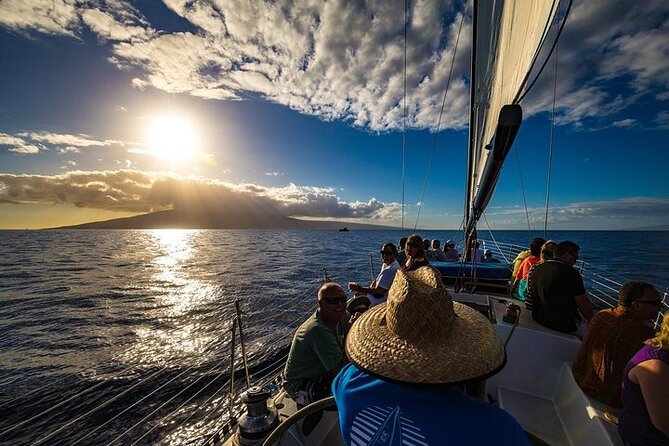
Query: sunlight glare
x=172, y=138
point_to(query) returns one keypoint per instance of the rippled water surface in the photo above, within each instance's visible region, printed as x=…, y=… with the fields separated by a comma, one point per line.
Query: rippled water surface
x=123, y=337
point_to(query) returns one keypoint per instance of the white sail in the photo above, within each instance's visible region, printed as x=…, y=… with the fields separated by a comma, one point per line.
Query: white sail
x=509, y=34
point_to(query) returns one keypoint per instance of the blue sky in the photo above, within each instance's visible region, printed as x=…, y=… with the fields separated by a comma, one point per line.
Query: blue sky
x=298, y=105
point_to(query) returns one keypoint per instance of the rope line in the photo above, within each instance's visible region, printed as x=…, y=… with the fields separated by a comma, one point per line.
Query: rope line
x=404, y=129
x=436, y=133
x=549, y=167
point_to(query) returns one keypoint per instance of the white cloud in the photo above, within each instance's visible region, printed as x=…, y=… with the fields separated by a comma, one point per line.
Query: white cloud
x=343, y=60
x=274, y=174
x=18, y=145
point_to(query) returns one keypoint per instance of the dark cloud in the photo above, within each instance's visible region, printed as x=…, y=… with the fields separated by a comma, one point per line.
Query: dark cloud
x=134, y=191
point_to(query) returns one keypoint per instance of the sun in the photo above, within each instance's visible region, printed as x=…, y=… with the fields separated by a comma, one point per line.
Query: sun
x=172, y=138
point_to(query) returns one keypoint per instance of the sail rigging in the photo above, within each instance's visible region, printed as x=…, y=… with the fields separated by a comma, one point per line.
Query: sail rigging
x=508, y=37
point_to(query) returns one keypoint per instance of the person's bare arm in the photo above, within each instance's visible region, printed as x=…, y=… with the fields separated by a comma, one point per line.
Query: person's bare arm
x=584, y=306
x=653, y=377
x=374, y=291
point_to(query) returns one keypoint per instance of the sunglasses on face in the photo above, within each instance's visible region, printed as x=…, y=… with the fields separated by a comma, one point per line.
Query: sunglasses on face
x=386, y=253
x=335, y=300
x=651, y=302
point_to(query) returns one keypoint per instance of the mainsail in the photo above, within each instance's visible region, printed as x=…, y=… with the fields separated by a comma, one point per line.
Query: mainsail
x=508, y=36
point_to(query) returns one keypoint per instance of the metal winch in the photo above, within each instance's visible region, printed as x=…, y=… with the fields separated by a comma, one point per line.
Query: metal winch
x=260, y=418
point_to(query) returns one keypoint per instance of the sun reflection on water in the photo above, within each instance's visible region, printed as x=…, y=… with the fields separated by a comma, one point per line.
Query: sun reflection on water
x=174, y=333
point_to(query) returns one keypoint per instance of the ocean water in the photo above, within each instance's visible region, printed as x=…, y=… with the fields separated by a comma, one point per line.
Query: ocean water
x=123, y=337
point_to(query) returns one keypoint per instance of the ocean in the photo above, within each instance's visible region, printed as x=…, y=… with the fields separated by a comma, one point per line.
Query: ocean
x=123, y=337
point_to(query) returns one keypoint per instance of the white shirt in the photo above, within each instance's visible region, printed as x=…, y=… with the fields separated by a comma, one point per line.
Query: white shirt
x=384, y=280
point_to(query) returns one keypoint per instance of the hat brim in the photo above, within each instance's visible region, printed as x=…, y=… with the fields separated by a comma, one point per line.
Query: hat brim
x=471, y=350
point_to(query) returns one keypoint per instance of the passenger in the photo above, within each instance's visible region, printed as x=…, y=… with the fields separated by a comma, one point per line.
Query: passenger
x=317, y=351
x=402, y=254
x=644, y=419
x=407, y=357
x=415, y=254
x=426, y=248
x=547, y=253
x=476, y=253
x=437, y=252
x=452, y=254
x=377, y=292
x=487, y=257
x=522, y=255
x=614, y=336
x=558, y=293
x=519, y=285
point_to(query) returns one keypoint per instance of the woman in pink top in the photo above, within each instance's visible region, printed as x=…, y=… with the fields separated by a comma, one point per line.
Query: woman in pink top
x=520, y=282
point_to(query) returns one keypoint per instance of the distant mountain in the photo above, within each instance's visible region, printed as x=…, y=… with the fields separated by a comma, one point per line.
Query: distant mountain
x=246, y=219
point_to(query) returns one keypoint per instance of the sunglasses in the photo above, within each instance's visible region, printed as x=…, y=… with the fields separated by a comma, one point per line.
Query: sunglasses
x=651, y=302
x=335, y=300
x=386, y=253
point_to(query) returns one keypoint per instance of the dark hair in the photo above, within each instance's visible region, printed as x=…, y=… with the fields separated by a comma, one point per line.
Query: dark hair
x=630, y=292
x=535, y=246
x=403, y=242
x=391, y=246
x=566, y=247
x=436, y=243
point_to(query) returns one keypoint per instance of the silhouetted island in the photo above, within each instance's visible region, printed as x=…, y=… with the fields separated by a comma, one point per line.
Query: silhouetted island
x=202, y=219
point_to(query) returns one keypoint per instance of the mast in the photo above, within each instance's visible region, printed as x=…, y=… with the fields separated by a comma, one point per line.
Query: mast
x=472, y=105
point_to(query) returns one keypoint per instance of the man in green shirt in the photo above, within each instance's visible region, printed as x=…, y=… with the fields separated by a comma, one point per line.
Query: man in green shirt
x=317, y=351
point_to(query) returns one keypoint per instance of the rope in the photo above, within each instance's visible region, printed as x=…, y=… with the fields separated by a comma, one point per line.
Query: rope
x=493, y=239
x=436, y=132
x=522, y=191
x=404, y=129
x=550, y=145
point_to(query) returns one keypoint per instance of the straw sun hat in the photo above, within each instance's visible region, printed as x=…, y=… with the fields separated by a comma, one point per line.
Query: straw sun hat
x=421, y=336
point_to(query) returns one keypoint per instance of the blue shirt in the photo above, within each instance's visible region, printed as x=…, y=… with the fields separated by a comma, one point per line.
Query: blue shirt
x=374, y=412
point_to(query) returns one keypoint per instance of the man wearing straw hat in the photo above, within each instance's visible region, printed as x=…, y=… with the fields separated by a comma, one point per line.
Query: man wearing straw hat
x=408, y=355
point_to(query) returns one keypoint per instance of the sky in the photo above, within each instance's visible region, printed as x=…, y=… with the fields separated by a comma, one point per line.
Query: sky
x=112, y=108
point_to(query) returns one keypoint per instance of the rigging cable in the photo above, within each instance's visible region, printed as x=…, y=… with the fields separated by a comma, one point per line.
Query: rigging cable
x=522, y=191
x=493, y=239
x=404, y=130
x=550, y=145
x=436, y=132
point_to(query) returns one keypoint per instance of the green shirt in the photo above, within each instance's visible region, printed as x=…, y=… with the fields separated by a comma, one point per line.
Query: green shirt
x=316, y=350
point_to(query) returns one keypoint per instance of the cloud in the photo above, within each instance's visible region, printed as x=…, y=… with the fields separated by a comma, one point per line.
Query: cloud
x=622, y=213
x=34, y=142
x=624, y=123
x=17, y=144
x=134, y=191
x=342, y=60
x=274, y=174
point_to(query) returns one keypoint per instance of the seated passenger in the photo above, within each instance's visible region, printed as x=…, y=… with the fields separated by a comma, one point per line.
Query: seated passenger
x=402, y=253
x=415, y=254
x=437, y=253
x=558, y=293
x=317, y=351
x=614, y=336
x=644, y=418
x=519, y=285
x=476, y=253
x=452, y=254
x=547, y=253
x=407, y=357
x=487, y=257
x=377, y=292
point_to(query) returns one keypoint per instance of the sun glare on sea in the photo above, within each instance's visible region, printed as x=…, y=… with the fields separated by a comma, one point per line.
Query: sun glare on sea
x=172, y=138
